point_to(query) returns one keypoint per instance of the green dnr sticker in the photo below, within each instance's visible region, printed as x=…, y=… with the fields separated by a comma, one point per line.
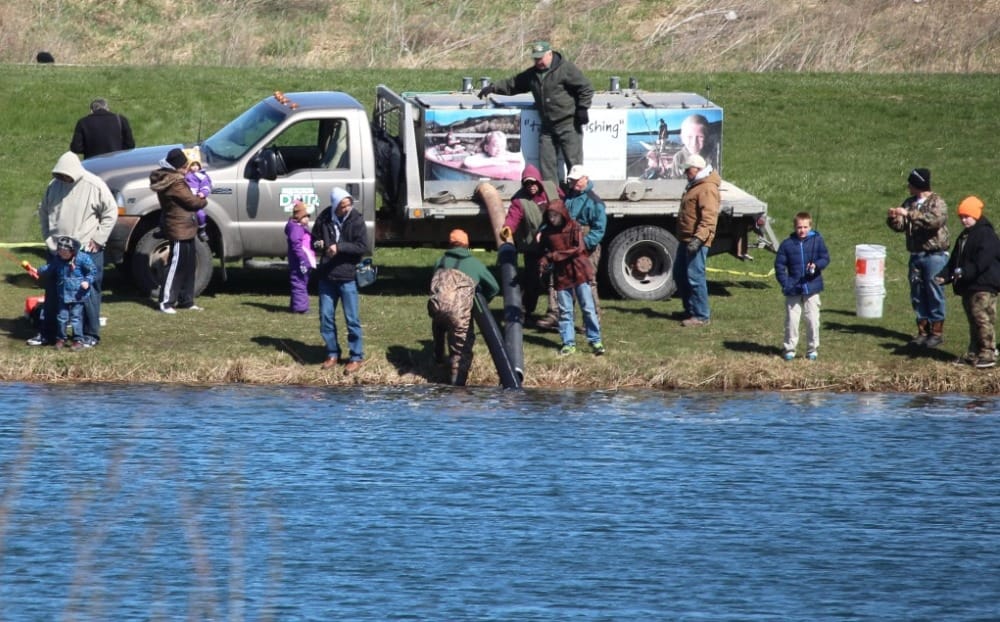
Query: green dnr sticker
x=289, y=196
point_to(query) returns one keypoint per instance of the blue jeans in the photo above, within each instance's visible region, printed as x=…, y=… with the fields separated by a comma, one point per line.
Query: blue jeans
x=70, y=314
x=330, y=294
x=591, y=323
x=92, y=303
x=692, y=287
x=926, y=296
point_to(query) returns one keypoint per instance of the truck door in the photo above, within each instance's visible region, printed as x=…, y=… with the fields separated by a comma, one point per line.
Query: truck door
x=312, y=156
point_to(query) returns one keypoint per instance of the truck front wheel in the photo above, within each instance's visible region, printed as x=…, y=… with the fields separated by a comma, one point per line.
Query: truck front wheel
x=640, y=263
x=149, y=262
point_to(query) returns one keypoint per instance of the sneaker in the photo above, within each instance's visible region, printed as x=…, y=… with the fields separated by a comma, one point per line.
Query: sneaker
x=567, y=349
x=352, y=366
x=812, y=356
x=789, y=356
x=193, y=308
x=933, y=341
x=60, y=343
x=329, y=363
x=966, y=359
x=693, y=322
x=985, y=362
x=168, y=310
x=598, y=348
x=37, y=340
x=77, y=346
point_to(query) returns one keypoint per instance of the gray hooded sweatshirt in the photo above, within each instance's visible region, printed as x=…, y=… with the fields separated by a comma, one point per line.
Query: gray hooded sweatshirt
x=85, y=210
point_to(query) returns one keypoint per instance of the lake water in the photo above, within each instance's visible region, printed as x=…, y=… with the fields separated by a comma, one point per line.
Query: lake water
x=426, y=503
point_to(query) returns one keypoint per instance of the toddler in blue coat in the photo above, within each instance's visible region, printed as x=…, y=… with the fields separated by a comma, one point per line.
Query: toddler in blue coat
x=73, y=272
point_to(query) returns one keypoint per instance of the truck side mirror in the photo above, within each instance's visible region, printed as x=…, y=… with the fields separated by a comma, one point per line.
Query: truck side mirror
x=265, y=165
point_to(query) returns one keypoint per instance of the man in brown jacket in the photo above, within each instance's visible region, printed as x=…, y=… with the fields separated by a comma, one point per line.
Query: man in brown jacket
x=696, y=225
x=177, y=217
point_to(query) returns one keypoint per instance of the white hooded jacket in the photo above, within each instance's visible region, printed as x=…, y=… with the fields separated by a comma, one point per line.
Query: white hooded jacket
x=85, y=210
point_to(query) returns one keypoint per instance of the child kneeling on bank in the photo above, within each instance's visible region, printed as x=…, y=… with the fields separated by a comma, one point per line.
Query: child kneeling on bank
x=974, y=272
x=799, y=266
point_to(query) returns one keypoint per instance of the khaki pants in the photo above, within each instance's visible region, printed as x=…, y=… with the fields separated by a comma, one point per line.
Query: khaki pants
x=795, y=308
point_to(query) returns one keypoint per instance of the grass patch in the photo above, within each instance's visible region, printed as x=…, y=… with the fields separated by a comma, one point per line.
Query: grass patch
x=837, y=145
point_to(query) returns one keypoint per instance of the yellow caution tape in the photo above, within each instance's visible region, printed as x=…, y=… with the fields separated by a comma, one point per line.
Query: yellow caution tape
x=755, y=275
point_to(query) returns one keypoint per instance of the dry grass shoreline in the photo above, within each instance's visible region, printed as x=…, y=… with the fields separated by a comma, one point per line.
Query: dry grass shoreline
x=876, y=36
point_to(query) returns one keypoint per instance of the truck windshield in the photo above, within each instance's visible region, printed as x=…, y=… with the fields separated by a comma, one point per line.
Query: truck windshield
x=242, y=133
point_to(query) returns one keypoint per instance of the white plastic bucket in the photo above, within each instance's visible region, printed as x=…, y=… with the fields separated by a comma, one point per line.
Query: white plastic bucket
x=868, y=300
x=869, y=263
x=869, y=279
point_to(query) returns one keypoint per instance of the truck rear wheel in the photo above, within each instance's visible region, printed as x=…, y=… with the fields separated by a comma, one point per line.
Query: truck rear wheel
x=149, y=261
x=641, y=261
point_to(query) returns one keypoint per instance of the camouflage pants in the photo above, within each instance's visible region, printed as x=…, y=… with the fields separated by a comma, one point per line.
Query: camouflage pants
x=981, y=310
x=460, y=337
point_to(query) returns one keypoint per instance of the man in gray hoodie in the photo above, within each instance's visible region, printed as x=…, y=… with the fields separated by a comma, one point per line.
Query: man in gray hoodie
x=80, y=205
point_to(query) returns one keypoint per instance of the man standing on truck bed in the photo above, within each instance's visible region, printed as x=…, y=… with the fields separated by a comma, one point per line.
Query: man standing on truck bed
x=562, y=96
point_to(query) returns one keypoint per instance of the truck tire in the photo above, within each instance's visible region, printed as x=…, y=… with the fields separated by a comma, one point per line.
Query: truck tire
x=149, y=260
x=640, y=263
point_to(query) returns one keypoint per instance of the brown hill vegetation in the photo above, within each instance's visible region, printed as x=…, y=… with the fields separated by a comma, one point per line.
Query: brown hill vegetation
x=671, y=35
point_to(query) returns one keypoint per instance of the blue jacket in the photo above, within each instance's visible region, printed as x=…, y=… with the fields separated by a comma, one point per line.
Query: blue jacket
x=70, y=275
x=790, y=264
x=588, y=209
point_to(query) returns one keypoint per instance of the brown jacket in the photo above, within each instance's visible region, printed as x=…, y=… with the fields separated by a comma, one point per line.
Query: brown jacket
x=177, y=204
x=699, y=213
x=564, y=250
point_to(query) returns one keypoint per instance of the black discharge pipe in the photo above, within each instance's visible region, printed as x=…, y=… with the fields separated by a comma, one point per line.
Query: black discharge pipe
x=513, y=325
x=494, y=341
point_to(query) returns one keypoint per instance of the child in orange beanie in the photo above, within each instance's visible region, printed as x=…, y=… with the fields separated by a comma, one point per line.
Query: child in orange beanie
x=974, y=272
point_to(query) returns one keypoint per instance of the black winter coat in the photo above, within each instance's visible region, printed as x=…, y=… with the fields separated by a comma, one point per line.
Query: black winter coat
x=974, y=265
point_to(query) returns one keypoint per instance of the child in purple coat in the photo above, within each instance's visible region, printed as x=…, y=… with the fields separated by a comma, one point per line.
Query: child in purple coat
x=301, y=256
x=200, y=184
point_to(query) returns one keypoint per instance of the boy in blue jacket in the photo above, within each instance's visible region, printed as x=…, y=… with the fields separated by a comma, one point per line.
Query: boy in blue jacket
x=799, y=266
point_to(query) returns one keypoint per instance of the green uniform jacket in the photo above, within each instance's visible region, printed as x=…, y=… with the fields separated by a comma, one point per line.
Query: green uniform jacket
x=558, y=91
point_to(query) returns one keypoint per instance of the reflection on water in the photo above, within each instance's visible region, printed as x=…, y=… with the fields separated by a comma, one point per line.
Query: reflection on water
x=426, y=503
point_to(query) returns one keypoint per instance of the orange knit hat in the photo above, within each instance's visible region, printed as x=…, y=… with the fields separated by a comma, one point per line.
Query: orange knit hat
x=971, y=207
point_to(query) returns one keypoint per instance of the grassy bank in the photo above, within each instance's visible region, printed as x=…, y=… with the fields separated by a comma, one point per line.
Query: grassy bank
x=837, y=145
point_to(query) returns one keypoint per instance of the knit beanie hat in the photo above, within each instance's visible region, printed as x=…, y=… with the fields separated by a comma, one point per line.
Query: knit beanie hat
x=972, y=207
x=920, y=178
x=177, y=159
x=299, y=210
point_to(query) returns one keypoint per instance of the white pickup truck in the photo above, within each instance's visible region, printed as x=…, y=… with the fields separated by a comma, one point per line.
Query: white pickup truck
x=413, y=167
